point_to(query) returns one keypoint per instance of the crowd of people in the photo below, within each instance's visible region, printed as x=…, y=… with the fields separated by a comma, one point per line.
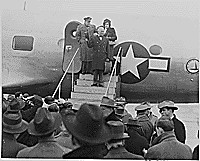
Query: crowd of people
x=36, y=127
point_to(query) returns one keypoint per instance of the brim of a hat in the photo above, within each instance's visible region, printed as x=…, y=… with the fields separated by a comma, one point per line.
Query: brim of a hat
x=125, y=136
x=19, y=130
x=71, y=124
x=121, y=103
x=172, y=107
x=111, y=106
x=57, y=123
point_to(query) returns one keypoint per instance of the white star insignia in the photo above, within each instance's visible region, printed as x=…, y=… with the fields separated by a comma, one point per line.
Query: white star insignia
x=130, y=63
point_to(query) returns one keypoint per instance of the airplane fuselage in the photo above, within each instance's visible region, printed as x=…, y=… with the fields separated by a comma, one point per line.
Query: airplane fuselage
x=38, y=71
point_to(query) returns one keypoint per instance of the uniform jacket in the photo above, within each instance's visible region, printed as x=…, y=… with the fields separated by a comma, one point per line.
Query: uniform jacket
x=82, y=33
x=121, y=152
x=179, y=129
x=136, y=143
x=44, y=149
x=168, y=147
x=87, y=152
x=101, y=51
x=10, y=147
x=147, y=126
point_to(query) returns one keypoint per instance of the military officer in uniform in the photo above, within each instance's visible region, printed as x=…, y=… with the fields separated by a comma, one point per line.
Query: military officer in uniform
x=83, y=32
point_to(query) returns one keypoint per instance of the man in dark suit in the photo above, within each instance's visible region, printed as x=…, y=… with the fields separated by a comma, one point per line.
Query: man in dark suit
x=89, y=132
x=142, y=116
x=167, y=108
x=12, y=125
x=166, y=146
x=101, y=52
x=137, y=142
x=116, y=144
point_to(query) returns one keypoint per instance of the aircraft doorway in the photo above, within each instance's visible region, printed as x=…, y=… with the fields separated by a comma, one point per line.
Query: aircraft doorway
x=70, y=47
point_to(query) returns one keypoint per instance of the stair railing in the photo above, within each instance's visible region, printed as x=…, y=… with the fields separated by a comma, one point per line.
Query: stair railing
x=113, y=70
x=61, y=80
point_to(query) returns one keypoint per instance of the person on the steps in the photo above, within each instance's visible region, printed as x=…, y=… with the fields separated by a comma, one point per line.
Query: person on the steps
x=101, y=51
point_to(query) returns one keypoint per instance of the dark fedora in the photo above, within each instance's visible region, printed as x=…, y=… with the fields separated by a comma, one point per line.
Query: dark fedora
x=88, y=124
x=13, y=123
x=36, y=99
x=167, y=104
x=44, y=122
x=49, y=99
x=16, y=104
x=133, y=122
x=53, y=107
x=108, y=102
x=117, y=130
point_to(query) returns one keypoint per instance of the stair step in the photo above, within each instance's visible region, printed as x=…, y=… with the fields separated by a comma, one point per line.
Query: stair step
x=106, y=78
x=97, y=90
x=89, y=96
x=88, y=83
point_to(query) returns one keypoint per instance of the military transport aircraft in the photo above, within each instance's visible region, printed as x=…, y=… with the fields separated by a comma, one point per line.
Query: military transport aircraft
x=159, y=42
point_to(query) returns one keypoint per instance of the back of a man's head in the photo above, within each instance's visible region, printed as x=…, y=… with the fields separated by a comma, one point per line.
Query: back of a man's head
x=165, y=123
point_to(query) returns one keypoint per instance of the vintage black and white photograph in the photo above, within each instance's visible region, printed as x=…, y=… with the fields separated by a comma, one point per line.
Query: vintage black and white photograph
x=86, y=79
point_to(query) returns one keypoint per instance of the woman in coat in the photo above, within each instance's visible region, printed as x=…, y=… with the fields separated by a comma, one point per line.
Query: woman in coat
x=112, y=37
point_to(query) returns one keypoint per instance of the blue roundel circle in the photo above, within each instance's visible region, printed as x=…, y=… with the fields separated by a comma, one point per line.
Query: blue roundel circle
x=134, y=62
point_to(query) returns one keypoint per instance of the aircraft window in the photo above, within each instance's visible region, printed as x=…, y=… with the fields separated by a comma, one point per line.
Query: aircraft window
x=73, y=33
x=24, y=43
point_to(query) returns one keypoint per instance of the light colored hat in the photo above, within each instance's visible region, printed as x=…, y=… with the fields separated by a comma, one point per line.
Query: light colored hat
x=167, y=104
x=143, y=106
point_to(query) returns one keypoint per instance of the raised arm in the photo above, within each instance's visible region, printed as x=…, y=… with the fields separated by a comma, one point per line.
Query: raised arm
x=78, y=33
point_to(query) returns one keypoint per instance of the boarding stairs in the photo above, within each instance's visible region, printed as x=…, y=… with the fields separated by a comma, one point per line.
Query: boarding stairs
x=83, y=92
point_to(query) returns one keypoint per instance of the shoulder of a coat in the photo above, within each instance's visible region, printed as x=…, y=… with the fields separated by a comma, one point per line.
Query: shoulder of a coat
x=80, y=26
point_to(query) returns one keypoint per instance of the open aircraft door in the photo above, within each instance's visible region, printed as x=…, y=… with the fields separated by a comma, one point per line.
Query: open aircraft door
x=70, y=47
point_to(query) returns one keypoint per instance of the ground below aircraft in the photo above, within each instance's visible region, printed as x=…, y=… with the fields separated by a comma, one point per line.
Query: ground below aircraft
x=38, y=46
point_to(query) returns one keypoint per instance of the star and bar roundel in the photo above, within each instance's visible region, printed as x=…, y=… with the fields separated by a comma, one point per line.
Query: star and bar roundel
x=136, y=62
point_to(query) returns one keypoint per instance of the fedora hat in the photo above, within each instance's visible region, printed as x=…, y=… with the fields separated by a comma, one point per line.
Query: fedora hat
x=49, y=99
x=108, y=102
x=167, y=104
x=143, y=106
x=133, y=122
x=88, y=124
x=120, y=100
x=117, y=130
x=16, y=104
x=44, y=122
x=13, y=123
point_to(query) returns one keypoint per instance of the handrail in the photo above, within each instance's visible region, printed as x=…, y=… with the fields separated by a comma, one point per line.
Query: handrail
x=119, y=51
x=65, y=73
